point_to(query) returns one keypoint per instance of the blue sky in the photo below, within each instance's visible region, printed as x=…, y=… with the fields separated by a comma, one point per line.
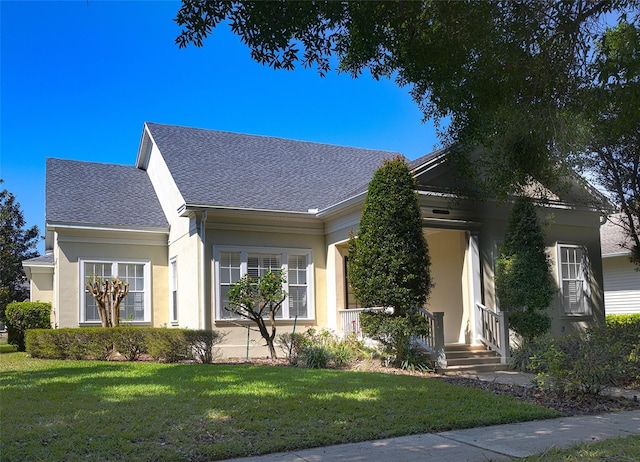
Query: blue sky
x=78, y=80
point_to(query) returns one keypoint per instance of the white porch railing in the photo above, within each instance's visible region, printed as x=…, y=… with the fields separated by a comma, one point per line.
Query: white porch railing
x=350, y=320
x=494, y=330
x=434, y=341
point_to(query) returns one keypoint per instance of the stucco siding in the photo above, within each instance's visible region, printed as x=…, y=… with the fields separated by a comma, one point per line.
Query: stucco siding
x=447, y=252
x=621, y=286
x=76, y=246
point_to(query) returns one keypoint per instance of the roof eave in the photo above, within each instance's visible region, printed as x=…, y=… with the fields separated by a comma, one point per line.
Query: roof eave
x=187, y=208
x=53, y=225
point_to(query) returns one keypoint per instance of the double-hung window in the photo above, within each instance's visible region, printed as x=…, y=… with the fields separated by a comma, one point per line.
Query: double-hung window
x=574, y=282
x=136, y=307
x=231, y=264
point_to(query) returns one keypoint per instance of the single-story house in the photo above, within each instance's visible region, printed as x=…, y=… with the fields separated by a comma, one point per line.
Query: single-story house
x=200, y=208
x=621, y=277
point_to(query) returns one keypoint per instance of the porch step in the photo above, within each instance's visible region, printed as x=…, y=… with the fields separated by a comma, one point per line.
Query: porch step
x=469, y=359
x=474, y=369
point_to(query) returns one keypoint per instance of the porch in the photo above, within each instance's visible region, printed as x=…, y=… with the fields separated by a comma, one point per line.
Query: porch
x=488, y=351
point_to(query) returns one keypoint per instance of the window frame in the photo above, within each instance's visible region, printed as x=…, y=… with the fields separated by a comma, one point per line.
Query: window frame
x=586, y=307
x=114, y=262
x=284, y=253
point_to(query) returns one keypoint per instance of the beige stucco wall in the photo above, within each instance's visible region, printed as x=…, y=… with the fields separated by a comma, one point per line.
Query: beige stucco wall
x=41, y=284
x=74, y=245
x=447, y=251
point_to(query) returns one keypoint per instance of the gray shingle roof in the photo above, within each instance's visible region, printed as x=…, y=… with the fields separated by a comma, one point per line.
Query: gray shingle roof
x=46, y=259
x=612, y=236
x=248, y=171
x=101, y=194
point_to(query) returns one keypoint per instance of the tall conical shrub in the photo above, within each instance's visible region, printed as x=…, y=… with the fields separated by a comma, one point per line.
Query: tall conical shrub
x=523, y=280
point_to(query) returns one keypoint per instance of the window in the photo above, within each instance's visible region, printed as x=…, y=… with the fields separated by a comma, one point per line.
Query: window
x=231, y=264
x=173, y=287
x=136, y=307
x=574, y=284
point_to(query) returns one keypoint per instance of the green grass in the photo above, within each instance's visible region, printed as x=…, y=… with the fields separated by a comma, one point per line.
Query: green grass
x=84, y=410
x=617, y=449
x=5, y=347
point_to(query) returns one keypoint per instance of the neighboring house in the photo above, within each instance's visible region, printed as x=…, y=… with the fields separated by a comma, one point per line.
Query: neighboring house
x=621, y=277
x=201, y=208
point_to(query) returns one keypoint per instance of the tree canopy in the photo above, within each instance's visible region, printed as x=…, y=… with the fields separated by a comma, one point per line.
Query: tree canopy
x=17, y=243
x=525, y=80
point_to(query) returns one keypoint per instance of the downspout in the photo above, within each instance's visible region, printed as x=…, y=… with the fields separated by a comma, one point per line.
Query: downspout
x=203, y=294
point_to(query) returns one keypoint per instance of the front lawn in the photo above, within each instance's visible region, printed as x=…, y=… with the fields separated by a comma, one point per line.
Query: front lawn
x=86, y=410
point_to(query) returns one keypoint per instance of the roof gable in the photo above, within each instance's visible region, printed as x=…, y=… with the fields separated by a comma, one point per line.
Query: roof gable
x=97, y=194
x=215, y=168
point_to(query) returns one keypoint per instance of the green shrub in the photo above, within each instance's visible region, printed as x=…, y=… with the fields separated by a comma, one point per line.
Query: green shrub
x=394, y=334
x=322, y=349
x=45, y=343
x=315, y=357
x=203, y=344
x=522, y=352
x=129, y=341
x=290, y=343
x=581, y=363
x=26, y=315
x=167, y=345
x=624, y=333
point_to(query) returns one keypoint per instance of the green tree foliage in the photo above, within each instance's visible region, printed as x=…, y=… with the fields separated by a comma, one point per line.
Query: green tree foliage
x=26, y=315
x=259, y=299
x=17, y=243
x=523, y=281
x=389, y=262
x=614, y=122
x=516, y=78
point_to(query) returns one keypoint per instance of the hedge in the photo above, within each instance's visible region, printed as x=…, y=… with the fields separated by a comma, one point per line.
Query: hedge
x=99, y=343
x=26, y=315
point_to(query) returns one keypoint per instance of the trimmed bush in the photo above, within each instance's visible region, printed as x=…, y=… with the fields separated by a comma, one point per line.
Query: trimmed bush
x=26, y=315
x=167, y=345
x=203, y=344
x=129, y=341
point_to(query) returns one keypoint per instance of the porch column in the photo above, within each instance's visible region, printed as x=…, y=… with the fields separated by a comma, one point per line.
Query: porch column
x=333, y=259
x=475, y=282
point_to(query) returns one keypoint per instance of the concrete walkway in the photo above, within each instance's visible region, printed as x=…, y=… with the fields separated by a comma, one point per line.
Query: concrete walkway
x=482, y=444
x=498, y=442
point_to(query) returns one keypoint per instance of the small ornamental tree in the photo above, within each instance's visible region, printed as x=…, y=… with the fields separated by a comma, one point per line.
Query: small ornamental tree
x=523, y=280
x=389, y=262
x=259, y=299
x=108, y=294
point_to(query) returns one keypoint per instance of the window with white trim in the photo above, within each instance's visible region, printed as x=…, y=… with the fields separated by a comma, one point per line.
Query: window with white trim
x=230, y=264
x=173, y=288
x=136, y=307
x=574, y=281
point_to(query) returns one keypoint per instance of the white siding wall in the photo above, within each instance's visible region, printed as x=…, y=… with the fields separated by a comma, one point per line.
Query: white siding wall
x=621, y=286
